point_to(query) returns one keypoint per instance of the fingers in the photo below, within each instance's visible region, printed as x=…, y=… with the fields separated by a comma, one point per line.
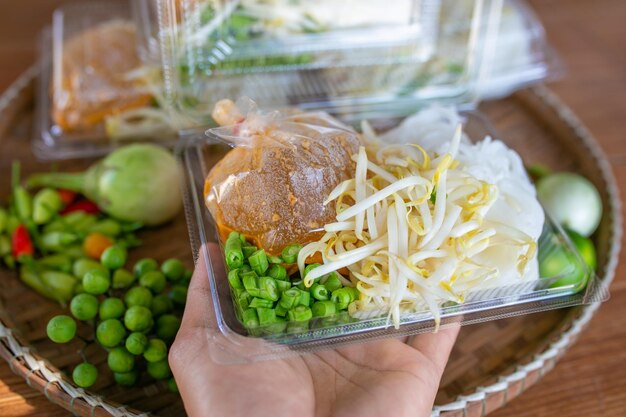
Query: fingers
x=199, y=307
x=436, y=346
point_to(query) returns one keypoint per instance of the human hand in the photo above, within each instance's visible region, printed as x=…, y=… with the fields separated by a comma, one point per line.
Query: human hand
x=395, y=377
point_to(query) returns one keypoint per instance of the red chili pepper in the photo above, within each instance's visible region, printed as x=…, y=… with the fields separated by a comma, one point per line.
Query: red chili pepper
x=84, y=205
x=22, y=245
x=67, y=196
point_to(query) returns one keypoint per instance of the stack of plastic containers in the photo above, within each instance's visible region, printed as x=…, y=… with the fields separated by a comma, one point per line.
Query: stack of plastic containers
x=93, y=94
x=355, y=59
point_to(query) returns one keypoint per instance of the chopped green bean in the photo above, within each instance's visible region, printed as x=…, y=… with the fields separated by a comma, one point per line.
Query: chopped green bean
x=323, y=309
x=258, y=262
x=290, y=253
x=282, y=285
x=266, y=316
x=342, y=297
x=260, y=302
x=268, y=289
x=233, y=252
x=249, y=280
x=300, y=313
x=280, y=311
x=234, y=280
x=290, y=298
x=308, y=269
x=333, y=282
x=305, y=298
x=320, y=292
x=276, y=260
x=250, y=318
x=248, y=251
x=278, y=272
x=278, y=326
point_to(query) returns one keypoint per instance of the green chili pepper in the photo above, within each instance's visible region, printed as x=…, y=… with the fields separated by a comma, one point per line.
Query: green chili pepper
x=46, y=204
x=9, y=261
x=59, y=262
x=12, y=223
x=107, y=227
x=58, y=225
x=61, y=284
x=57, y=241
x=23, y=203
x=5, y=245
x=4, y=217
x=74, y=251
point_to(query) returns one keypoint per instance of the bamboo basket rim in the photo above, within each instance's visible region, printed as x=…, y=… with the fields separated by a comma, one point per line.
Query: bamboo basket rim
x=43, y=376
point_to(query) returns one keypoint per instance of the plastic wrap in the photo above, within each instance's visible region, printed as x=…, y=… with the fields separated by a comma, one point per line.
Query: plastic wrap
x=272, y=185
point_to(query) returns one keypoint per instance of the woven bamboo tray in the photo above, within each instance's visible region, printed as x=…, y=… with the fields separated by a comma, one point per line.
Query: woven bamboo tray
x=492, y=362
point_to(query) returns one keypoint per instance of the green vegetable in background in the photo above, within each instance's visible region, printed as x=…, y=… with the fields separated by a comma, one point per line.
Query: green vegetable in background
x=557, y=261
x=572, y=200
x=139, y=182
x=85, y=375
x=61, y=329
x=46, y=204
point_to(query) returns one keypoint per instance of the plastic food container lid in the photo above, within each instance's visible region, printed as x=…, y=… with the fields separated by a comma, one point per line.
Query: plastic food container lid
x=87, y=59
x=559, y=283
x=355, y=58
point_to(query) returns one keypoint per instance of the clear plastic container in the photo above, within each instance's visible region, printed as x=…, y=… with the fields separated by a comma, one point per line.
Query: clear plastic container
x=445, y=51
x=353, y=58
x=522, y=55
x=86, y=62
x=231, y=343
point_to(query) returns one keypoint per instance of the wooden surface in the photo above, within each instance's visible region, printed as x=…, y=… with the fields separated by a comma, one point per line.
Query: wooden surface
x=590, y=379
